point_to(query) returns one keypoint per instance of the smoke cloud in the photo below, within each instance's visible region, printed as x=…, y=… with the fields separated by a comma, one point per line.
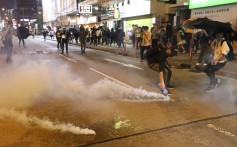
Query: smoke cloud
x=24, y=85
x=22, y=118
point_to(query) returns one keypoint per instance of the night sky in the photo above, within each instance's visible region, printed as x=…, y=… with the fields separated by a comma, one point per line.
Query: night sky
x=8, y=4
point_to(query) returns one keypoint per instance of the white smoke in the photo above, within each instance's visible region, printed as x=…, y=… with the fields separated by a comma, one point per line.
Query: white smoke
x=27, y=84
x=22, y=118
x=109, y=89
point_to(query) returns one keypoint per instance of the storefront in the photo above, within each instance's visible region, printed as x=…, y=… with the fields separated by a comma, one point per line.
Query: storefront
x=136, y=12
x=88, y=21
x=111, y=18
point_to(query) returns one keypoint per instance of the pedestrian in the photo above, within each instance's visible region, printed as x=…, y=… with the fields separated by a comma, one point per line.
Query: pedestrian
x=65, y=38
x=76, y=35
x=58, y=37
x=45, y=33
x=155, y=35
x=98, y=36
x=88, y=35
x=181, y=40
x=138, y=37
x=169, y=32
x=112, y=36
x=157, y=60
x=120, y=37
x=33, y=33
x=21, y=33
x=83, y=39
x=220, y=50
x=146, y=42
x=51, y=34
x=7, y=40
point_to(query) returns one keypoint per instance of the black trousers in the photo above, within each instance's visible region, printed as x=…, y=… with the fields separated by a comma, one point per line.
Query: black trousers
x=163, y=67
x=83, y=45
x=21, y=39
x=211, y=70
x=142, y=50
x=58, y=42
x=64, y=43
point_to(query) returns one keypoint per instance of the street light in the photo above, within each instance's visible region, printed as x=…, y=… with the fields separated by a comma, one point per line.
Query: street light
x=3, y=9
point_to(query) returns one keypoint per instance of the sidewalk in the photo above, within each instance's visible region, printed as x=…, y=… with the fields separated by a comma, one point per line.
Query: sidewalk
x=183, y=58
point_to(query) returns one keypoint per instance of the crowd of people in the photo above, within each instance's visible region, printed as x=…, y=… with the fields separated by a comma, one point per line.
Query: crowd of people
x=8, y=32
x=155, y=44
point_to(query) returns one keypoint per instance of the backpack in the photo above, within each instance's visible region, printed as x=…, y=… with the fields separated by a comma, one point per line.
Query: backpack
x=230, y=53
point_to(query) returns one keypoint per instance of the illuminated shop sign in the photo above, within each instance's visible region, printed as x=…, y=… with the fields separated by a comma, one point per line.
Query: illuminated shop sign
x=207, y=3
x=85, y=8
x=130, y=10
x=87, y=20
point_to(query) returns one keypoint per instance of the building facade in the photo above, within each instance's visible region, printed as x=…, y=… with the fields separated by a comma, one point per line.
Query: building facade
x=222, y=10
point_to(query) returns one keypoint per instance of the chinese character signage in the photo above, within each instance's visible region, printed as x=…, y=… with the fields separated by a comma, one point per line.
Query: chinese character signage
x=85, y=8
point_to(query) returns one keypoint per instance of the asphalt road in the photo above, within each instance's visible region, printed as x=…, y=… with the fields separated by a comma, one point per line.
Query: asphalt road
x=47, y=96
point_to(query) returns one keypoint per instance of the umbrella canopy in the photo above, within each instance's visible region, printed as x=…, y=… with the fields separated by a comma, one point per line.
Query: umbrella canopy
x=188, y=25
x=213, y=26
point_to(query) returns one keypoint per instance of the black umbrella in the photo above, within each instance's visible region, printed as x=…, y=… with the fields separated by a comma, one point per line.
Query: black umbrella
x=213, y=26
x=73, y=30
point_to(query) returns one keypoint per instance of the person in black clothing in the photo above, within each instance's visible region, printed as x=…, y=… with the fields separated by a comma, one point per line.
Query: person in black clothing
x=169, y=32
x=112, y=36
x=58, y=37
x=157, y=60
x=45, y=33
x=120, y=37
x=83, y=39
x=76, y=36
x=65, y=38
x=20, y=33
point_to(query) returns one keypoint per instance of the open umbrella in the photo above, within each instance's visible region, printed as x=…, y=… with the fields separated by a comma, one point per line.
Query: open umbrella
x=212, y=26
x=188, y=24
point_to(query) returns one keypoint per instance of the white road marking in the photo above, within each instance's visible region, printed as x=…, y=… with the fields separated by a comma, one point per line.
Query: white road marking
x=222, y=131
x=227, y=78
x=111, y=78
x=68, y=58
x=127, y=65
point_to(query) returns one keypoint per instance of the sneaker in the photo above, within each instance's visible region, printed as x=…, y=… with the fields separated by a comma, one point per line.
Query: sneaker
x=164, y=91
x=211, y=88
x=170, y=87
